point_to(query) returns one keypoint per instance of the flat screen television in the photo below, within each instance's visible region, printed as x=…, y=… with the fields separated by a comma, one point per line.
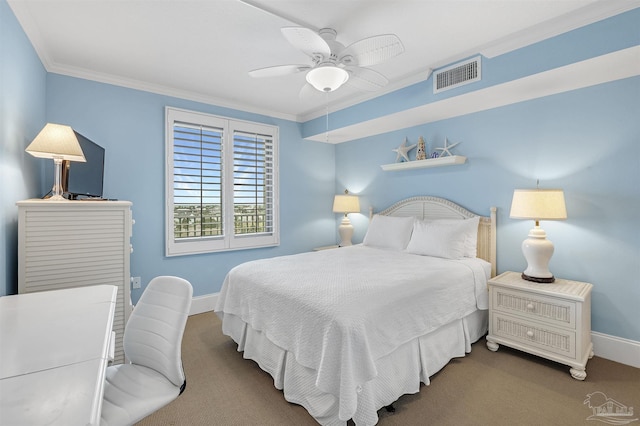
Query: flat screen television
x=84, y=180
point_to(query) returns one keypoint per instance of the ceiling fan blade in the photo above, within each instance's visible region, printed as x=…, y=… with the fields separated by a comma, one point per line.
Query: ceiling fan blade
x=278, y=70
x=306, y=40
x=366, y=79
x=372, y=50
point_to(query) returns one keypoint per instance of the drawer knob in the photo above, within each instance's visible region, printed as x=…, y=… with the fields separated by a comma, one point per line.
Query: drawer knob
x=529, y=333
x=530, y=306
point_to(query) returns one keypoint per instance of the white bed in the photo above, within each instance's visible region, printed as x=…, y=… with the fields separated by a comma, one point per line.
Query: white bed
x=348, y=331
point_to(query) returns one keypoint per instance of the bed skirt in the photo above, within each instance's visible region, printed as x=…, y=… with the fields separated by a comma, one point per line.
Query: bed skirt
x=399, y=373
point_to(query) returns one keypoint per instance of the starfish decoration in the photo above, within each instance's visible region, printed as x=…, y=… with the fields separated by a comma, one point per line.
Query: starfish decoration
x=447, y=147
x=403, y=150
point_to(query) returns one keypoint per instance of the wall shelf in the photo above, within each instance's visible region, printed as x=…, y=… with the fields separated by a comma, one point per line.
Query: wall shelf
x=429, y=162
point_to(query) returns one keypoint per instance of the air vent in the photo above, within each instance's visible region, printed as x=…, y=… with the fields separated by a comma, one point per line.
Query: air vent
x=457, y=75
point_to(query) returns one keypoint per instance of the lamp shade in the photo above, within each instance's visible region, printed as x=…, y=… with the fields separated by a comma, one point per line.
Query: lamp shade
x=346, y=204
x=56, y=141
x=538, y=204
x=327, y=78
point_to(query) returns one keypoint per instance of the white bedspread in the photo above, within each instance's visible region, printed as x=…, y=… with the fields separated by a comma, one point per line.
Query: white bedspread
x=338, y=311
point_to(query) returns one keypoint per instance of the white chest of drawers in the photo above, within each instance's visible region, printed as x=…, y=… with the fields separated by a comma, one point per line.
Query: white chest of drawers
x=66, y=244
x=548, y=320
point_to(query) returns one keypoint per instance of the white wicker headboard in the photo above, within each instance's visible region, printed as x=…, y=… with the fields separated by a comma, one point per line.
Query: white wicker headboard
x=439, y=208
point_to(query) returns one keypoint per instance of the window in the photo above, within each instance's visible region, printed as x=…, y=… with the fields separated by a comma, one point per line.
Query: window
x=221, y=184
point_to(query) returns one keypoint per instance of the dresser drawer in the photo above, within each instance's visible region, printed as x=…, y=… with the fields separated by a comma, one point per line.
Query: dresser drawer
x=537, y=335
x=553, y=311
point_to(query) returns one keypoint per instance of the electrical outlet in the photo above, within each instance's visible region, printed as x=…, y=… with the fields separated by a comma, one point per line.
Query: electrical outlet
x=135, y=282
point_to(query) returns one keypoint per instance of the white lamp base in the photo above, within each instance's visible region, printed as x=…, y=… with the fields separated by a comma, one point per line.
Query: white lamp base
x=346, y=232
x=538, y=251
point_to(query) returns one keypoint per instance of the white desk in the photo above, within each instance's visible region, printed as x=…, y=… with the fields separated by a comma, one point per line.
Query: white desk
x=54, y=351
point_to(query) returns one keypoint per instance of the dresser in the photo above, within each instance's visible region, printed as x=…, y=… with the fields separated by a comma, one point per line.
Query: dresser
x=548, y=320
x=66, y=244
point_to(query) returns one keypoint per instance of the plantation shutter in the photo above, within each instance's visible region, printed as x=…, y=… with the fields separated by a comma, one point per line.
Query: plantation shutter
x=221, y=184
x=253, y=183
x=197, y=181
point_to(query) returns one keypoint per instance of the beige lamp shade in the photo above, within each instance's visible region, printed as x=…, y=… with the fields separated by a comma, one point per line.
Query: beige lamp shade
x=346, y=204
x=538, y=204
x=56, y=141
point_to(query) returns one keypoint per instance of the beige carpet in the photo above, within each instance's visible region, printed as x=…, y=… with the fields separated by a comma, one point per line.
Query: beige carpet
x=507, y=387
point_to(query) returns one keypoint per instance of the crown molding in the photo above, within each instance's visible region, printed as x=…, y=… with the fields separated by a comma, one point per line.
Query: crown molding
x=165, y=90
x=589, y=14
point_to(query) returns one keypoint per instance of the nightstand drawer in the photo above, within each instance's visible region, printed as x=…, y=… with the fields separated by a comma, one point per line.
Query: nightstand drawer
x=548, y=339
x=554, y=311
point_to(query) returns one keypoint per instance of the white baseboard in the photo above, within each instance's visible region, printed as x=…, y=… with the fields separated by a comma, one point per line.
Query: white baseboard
x=201, y=304
x=616, y=349
x=613, y=348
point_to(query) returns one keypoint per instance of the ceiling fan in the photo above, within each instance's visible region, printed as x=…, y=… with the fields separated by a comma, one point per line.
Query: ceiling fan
x=333, y=64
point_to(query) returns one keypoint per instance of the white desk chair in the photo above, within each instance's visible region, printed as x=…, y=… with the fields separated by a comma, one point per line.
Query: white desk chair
x=153, y=344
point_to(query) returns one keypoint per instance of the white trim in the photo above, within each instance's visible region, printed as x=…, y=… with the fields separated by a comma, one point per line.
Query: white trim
x=228, y=128
x=581, y=17
x=129, y=83
x=202, y=304
x=605, y=346
x=616, y=349
x=570, y=21
x=601, y=69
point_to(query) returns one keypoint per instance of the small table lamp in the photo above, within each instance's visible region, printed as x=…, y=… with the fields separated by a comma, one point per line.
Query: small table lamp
x=60, y=143
x=346, y=204
x=538, y=204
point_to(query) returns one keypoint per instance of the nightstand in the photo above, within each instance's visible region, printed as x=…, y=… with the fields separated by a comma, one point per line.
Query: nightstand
x=548, y=320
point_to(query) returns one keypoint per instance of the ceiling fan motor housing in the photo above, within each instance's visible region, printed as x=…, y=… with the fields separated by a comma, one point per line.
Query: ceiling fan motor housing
x=329, y=36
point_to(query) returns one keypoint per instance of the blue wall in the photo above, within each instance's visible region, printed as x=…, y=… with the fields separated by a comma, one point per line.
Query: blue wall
x=583, y=43
x=585, y=141
x=22, y=115
x=129, y=124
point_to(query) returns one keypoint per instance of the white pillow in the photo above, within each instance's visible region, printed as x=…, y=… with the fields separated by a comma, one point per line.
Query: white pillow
x=470, y=229
x=389, y=232
x=450, y=239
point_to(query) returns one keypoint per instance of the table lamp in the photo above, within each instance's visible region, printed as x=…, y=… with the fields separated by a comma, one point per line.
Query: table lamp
x=538, y=204
x=58, y=142
x=346, y=204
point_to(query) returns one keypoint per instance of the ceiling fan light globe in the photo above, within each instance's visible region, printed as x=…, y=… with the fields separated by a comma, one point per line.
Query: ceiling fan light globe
x=327, y=78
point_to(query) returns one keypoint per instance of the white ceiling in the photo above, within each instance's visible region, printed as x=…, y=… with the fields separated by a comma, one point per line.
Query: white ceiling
x=203, y=50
